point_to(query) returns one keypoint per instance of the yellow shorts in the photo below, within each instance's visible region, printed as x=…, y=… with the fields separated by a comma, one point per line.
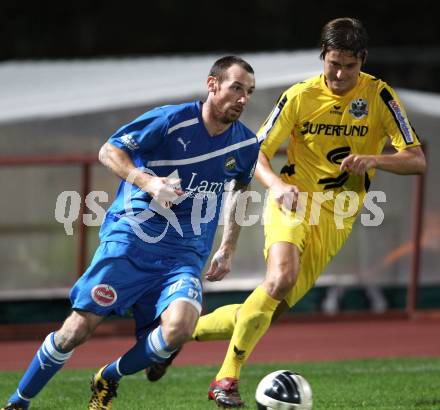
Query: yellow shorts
x=317, y=244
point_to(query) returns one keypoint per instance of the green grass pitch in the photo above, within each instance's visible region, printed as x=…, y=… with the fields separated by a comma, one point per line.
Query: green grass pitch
x=388, y=384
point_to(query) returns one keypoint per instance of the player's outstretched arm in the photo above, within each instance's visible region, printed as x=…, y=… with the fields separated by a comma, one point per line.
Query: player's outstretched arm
x=222, y=259
x=405, y=162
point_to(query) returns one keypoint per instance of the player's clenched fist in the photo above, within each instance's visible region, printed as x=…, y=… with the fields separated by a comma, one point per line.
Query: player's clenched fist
x=164, y=190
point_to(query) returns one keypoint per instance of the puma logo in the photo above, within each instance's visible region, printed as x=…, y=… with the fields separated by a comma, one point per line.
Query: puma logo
x=184, y=144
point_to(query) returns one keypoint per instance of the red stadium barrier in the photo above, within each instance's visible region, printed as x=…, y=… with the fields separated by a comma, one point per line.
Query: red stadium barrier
x=85, y=162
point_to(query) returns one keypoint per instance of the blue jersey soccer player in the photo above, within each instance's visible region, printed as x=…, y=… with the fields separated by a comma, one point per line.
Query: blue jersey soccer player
x=174, y=162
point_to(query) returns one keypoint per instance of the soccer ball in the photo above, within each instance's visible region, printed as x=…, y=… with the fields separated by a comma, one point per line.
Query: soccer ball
x=284, y=390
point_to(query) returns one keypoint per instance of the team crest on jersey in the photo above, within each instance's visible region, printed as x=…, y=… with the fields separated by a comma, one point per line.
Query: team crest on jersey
x=230, y=163
x=104, y=295
x=359, y=108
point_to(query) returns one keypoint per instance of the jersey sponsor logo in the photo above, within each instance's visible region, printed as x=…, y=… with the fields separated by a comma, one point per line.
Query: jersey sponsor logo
x=334, y=182
x=230, y=163
x=104, y=295
x=184, y=144
x=334, y=130
x=204, y=186
x=402, y=121
x=205, y=194
x=129, y=142
x=359, y=108
x=335, y=156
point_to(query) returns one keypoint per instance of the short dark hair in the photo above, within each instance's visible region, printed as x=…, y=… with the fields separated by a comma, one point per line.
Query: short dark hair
x=345, y=33
x=222, y=64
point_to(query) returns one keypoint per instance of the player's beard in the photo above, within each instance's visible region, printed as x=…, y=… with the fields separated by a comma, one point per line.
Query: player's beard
x=230, y=115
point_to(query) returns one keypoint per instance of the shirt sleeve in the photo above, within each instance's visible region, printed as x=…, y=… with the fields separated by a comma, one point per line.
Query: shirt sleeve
x=395, y=121
x=277, y=127
x=143, y=134
x=246, y=177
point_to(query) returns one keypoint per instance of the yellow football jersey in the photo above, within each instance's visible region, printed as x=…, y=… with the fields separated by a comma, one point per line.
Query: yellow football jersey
x=323, y=128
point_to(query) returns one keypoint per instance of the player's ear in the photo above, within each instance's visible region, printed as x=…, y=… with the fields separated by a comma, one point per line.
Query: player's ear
x=212, y=84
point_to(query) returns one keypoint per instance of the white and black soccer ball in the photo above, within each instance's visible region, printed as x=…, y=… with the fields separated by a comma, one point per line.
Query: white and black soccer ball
x=284, y=390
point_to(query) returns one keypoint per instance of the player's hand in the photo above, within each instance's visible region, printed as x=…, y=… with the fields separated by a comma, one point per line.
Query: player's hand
x=164, y=190
x=285, y=195
x=358, y=164
x=220, y=265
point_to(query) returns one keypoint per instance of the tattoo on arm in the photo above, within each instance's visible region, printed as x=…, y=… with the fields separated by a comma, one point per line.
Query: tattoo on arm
x=232, y=228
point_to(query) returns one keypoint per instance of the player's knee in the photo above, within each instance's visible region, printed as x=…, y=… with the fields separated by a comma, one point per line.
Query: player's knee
x=177, y=333
x=279, y=282
x=179, y=322
x=179, y=327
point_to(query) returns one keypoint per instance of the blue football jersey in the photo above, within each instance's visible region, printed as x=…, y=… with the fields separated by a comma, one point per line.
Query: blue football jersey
x=172, y=141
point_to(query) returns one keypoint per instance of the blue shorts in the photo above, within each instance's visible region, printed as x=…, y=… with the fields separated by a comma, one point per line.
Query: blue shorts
x=122, y=276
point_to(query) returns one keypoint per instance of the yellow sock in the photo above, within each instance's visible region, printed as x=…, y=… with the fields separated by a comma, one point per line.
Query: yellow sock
x=217, y=325
x=253, y=322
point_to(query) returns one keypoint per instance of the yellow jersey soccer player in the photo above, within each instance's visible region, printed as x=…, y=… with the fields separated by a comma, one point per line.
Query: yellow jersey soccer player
x=335, y=141
x=336, y=125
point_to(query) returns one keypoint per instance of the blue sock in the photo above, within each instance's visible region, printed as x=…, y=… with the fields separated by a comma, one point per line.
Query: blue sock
x=46, y=362
x=149, y=349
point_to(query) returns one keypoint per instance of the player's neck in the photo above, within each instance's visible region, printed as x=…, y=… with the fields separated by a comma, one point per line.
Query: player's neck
x=212, y=123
